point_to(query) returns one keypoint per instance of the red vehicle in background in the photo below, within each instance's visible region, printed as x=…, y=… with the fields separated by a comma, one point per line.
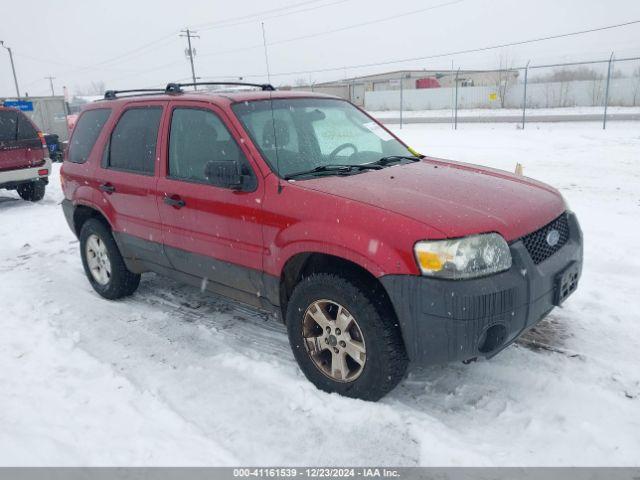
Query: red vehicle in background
x=303, y=205
x=71, y=121
x=24, y=157
x=427, y=82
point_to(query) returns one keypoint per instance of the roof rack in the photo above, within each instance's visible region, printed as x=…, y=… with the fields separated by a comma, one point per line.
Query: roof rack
x=177, y=87
x=112, y=94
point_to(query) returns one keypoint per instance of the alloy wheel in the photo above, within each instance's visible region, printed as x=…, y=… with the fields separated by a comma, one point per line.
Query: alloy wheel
x=98, y=260
x=334, y=341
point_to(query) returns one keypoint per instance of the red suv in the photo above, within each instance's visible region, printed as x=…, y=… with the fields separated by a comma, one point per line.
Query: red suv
x=24, y=157
x=304, y=205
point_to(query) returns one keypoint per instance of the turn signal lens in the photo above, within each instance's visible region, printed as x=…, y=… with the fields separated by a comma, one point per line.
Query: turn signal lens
x=430, y=261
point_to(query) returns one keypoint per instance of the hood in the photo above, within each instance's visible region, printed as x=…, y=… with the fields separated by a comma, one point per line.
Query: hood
x=455, y=198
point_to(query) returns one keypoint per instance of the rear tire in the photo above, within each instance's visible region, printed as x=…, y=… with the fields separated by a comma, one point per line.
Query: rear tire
x=32, y=191
x=103, y=263
x=319, y=306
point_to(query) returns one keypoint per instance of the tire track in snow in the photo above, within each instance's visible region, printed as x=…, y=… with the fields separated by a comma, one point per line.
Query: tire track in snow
x=227, y=371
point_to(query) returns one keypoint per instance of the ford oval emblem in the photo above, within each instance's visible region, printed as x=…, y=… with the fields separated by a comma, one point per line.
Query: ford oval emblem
x=553, y=237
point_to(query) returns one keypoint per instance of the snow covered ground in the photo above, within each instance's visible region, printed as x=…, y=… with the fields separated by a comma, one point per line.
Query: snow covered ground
x=172, y=376
x=492, y=112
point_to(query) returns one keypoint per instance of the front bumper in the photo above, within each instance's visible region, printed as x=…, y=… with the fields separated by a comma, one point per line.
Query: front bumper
x=448, y=320
x=11, y=178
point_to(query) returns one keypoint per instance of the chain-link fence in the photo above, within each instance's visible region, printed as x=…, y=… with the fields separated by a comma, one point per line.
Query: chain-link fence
x=600, y=90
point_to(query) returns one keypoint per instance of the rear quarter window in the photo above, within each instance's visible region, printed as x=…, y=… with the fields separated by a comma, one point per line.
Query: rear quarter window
x=26, y=131
x=8, y=126
x=86, y=133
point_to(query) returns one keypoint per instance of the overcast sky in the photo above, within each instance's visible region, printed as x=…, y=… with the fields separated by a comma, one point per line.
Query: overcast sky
x=136, y=43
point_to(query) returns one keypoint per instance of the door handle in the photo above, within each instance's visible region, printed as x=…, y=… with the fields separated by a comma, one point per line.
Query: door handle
x=108, y=188
x=174, y=201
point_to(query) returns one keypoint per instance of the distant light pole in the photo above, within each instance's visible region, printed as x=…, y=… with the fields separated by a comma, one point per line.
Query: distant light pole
x=13, y=68
x=51, y=79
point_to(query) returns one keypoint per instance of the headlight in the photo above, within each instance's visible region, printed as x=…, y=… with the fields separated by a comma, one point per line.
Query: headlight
x=467, y=257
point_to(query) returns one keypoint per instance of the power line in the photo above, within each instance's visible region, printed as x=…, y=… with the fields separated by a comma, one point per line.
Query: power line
x=280, y=15
x=371, y=22
x=219, y=24
x=340, y=29
x=154, y=43
x=390, y=62
x=206, y=26
x=458, y=52
x=163, y=39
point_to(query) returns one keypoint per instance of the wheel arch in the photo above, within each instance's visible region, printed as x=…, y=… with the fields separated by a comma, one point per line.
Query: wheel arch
x=82, y=213
x=305, y=264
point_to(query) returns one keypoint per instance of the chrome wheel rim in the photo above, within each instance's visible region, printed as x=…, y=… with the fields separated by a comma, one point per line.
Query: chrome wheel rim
x=334, y=341
x=98, y=260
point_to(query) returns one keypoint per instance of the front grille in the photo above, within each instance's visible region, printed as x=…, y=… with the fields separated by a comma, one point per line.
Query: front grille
x=536, y=242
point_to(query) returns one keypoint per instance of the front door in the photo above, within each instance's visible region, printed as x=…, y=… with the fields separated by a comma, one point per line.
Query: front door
x=210, y=231
x=127, y=182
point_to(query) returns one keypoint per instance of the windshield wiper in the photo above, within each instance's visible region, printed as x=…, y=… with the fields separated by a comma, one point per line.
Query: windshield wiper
x=384, y=161
x=338, y=169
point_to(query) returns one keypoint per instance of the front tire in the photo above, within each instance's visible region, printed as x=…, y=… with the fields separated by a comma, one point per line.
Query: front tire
x=103, y=263
x=344, y=338
x=32, y=191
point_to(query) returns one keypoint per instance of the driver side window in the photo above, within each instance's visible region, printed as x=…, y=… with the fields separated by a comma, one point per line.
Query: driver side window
x=276, y=131
x=196, y=138
x=335, y=130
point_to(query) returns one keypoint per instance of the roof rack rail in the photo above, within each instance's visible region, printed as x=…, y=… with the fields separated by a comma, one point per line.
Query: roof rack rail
x=177, y=87
x=112, y=94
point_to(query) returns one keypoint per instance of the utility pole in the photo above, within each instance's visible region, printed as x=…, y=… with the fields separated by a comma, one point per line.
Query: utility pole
x=190, y=52
x=13, y=68
x=51, y=79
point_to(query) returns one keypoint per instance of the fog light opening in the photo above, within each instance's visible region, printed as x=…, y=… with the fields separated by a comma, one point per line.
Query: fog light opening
x=492, y=338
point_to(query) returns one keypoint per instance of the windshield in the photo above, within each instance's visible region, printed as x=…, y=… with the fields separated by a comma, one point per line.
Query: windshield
x=301, y=135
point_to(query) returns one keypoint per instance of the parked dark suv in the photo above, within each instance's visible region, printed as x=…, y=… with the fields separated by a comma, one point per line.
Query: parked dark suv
x=304, y=205
x=24, y=161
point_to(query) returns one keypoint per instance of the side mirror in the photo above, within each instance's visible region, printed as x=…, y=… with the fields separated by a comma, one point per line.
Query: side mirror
x=224, y=174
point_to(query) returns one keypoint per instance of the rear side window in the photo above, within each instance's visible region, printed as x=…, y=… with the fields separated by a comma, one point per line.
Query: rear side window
x=25, y=128
x=133, y=141
x=8, y=125
x=86, y=134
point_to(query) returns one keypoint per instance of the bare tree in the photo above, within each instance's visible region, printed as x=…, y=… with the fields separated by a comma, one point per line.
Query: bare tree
x=597, y=90
x=505, y=76
x=94, y=88
x=573, y=74
x=636, y=86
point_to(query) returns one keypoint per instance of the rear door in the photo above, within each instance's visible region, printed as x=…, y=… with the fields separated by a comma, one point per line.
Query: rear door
x=210, y=231
x=127, y=181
